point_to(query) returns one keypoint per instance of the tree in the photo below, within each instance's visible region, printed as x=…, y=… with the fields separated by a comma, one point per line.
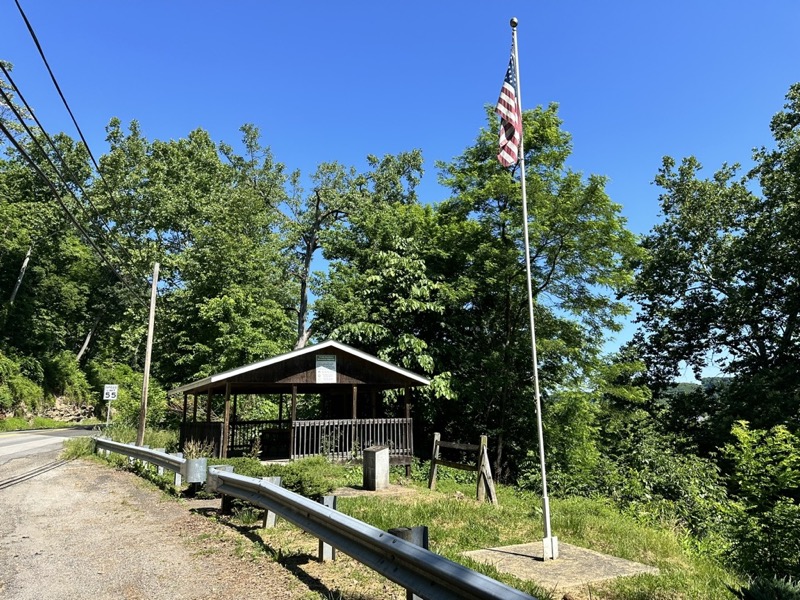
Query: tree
x=580, y=256
x=720, y=280
x=334, y=194
x=442, y=289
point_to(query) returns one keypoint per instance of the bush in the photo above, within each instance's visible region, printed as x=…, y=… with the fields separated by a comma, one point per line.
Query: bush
x=766, y=483
x=312, y=477
x=16, y=390
x=63, y=377
x=763, y=588
x=651, y=475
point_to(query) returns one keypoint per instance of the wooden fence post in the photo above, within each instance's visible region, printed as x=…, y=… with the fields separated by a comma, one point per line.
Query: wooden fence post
x=434, y=457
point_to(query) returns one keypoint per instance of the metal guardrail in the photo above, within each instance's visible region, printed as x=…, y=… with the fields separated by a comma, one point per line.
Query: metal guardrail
x=421, y=571
x=170, y=462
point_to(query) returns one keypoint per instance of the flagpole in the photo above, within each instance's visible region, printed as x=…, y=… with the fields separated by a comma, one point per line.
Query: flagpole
x=550, y=542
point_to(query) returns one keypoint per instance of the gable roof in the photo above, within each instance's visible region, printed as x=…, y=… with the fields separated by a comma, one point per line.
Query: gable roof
x=249, y=374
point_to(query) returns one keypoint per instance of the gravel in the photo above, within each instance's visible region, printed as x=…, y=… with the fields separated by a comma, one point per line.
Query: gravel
x=83, y=531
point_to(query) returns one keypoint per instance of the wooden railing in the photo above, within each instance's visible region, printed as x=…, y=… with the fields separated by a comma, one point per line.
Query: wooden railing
x=243, y=435
x=209, y=434
x=345, y=439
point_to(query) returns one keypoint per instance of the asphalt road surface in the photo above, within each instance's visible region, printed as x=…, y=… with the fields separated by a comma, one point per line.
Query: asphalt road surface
x=18, y=444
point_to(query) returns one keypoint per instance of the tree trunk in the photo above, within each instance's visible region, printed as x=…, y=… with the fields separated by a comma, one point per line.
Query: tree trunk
x=21, y=273
x=302, y=314
x=88, y=337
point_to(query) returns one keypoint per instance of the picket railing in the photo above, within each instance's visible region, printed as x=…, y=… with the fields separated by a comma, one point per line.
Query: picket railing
x=346, y=439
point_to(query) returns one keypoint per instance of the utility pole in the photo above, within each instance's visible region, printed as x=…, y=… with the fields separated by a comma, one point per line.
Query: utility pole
x=147, y=355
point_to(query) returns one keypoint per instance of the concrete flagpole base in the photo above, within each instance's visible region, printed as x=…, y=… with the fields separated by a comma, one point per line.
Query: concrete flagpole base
x=550, y=548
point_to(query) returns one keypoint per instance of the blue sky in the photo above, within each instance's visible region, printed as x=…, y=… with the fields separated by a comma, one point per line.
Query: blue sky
x=339, y=80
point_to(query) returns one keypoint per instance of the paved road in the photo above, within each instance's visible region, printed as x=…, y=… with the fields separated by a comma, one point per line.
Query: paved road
x=17, y=444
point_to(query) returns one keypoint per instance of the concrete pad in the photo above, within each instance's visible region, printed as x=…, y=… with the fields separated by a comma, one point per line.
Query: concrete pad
x=574, y=567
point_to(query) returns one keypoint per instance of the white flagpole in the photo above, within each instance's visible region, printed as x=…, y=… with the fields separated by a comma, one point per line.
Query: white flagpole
x=550, y=542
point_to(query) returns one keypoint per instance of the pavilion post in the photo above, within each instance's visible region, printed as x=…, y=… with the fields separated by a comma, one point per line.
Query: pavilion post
x=226, y=422
x=373, y=399
x=183, y=418
x=354, y=440
x=208, y=416
x=194, y=410
x=293, y=417
x=410, y=430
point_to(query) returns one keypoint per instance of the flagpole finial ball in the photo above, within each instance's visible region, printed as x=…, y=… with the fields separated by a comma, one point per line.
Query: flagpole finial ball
x=514, y=22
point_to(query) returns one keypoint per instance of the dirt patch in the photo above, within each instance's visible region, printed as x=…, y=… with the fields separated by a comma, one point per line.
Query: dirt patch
x=392, y=490
x=80, y=530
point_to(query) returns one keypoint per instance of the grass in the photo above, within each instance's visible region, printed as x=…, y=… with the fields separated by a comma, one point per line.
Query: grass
x=20, y=424
x=77, y=447
x=154, y=438
x=457, y=523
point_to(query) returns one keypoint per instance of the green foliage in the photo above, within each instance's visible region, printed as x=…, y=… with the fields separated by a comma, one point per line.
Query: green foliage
x=720, y=279
x=766, y=483
x=77, y=447
x=13, y=424
x=651, y=474
x=571, y=444
x=16, y=390
x=155, y=438
x=20, y=424
x=312, y=477
x=197, y=449
x=125, y=409
x=765, y=588
x=63, y=377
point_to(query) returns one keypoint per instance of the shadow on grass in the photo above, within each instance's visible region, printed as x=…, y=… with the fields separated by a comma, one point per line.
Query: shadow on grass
x=292, y=562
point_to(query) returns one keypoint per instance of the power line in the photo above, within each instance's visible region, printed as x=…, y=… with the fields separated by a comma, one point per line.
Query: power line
x=58, y=88
x=72, y=218
x=35, y=39
x=18, y=92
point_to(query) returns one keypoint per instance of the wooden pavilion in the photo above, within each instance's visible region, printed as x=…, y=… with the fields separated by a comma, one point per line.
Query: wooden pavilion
x=347, y=383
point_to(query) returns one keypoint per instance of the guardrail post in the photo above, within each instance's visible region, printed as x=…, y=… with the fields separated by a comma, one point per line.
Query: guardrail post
x=326, y=551
x=269, y=516
x=160, y=470
x=417, y=536
x=226, y=504
x=178, y=476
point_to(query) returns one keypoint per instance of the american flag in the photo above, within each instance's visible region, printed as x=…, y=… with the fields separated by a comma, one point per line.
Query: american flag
x=510, y=118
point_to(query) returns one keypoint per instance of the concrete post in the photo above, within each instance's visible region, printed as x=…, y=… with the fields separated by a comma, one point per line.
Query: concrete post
x=376, y=468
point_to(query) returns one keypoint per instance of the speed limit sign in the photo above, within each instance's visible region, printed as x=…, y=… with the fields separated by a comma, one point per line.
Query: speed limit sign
x=110, y=391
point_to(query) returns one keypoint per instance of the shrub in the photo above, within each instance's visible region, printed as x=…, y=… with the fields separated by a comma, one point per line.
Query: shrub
x=63, y=377
x=650, y=474
x=17, y=390
x=312, y=477
x=766, y=483
x=762, y=588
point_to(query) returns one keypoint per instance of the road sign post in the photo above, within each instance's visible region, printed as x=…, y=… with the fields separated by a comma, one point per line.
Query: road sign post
x=109, y=393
